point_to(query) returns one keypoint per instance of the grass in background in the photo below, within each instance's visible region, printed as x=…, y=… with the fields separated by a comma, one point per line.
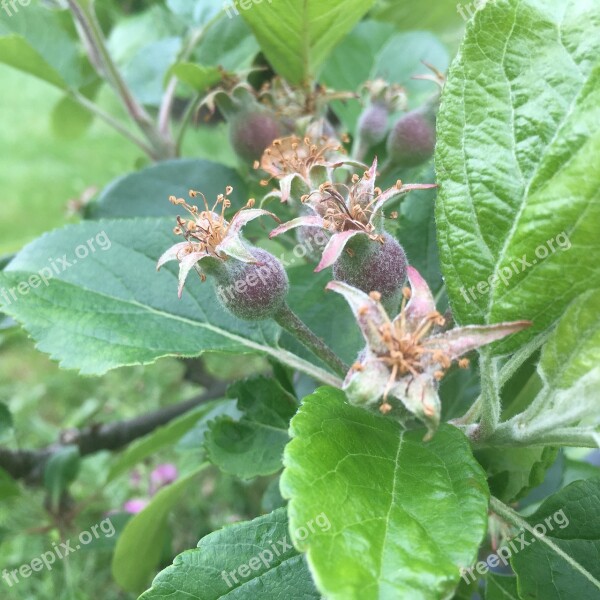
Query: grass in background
x=40, y=172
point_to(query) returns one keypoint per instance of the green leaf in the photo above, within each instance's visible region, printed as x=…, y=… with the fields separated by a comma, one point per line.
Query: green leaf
x=569, y=370
x=573, y=349
x=140, y=545
x=6, y=421
x=297, y=35
x=518, y=144
x=501, y=587
x=70, y=120
x=375, y=50
x=417, y=232
x=198, y=77
x=198, y=13
x=571, y=519
x=61, y=470
x=132, y=32
x=33, y=39
x=146, y=193
x=579, y=469
x=442, y=16
x=162, y=437
x=513, y=472
x=272, y=499
x=146, y=72
x=237, y=563
x=8, y=486
x=111, y=308
x=254, y=444
x=404, y=515
x=115, y=309
x=229, y=43
x=194, y=438
x=325, y=313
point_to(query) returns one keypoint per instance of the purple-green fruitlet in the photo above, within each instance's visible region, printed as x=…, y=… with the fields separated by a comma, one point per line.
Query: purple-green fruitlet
x=251, y=133
x=252, y=291
x=374, y=266
x=412, y=140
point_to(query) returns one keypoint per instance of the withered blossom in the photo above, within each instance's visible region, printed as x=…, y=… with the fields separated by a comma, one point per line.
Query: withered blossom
x=209, y=235
x=346, y=211
x=406, y=357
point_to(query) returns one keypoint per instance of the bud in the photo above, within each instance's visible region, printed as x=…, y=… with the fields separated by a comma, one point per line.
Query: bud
x=251, y=291
x=412, y=139
x=252, y=132
x=374, y=266
x=373, y=124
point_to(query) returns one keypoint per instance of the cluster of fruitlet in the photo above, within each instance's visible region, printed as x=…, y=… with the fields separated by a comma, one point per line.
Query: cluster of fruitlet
x=336, y=198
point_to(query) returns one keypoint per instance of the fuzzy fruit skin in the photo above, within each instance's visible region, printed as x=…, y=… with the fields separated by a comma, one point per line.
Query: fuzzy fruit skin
x=373, y=124
x=375, y=267
x=252, y=291
x=251, y=133
x=313, y=240
x=412, y=139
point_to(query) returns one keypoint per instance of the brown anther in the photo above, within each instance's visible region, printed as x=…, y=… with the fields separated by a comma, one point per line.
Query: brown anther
x=256, y=165
x=251, y=202
x=377, y=191
x=172, y=200
x=264, y=182
x=355, y=178
x=228, y=190
x=375, y=296
x=406, y=293
x=399, y=184
x=438, y=375
x=385, y=408
x=357, y=367
x=177, y=230
x=363, y=310
x=394, y=215
x=463, y=363
x=192, y=193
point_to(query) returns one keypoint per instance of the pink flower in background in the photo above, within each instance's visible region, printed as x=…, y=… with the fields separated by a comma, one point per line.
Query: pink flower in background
x=135, y=505
x=162, y=475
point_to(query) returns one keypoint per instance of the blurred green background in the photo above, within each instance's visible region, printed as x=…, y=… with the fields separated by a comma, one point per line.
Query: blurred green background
x=41, y=179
